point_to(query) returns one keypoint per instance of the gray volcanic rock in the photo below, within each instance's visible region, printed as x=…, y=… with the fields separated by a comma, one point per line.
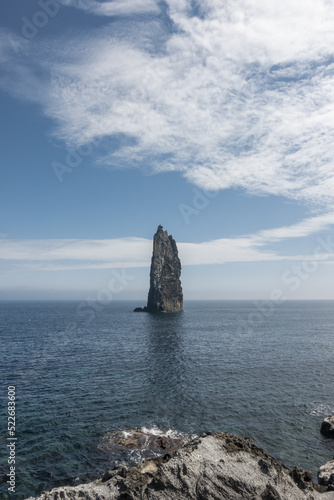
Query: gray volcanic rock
x=139, y=439
x=165, y=294
x=327, y=426
x=326, y=474
x=212, y=467
x=140, y=309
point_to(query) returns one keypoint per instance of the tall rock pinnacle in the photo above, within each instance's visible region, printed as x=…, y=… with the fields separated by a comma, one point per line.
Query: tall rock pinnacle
x=165, y=293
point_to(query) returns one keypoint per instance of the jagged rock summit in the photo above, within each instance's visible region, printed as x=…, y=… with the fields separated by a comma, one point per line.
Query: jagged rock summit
x=165, y=293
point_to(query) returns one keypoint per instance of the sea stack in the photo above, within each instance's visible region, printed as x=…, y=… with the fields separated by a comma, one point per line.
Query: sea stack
x=165, y=293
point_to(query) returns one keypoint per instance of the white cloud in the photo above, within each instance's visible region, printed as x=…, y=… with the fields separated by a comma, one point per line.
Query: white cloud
x=115, y=7
x=10, y=43
x=299, y=230
x=56, y=255
x=239, y=94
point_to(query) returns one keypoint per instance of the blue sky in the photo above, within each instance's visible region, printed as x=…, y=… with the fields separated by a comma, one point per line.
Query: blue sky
x=213, y=119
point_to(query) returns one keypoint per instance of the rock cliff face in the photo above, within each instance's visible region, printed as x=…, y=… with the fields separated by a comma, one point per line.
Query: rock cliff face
x=165, y=294
x=212, y=467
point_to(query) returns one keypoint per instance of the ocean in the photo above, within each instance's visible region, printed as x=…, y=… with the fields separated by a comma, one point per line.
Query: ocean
x=254, y=369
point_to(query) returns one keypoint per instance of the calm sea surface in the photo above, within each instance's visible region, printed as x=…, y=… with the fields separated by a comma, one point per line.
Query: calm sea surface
x=219, y=366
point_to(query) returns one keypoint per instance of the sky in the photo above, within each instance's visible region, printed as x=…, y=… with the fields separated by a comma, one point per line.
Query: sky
x=214, y=119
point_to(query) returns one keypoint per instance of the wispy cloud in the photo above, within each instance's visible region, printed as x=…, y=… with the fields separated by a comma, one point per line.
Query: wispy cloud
x=114, y=7
x=122, y=250
x=302, y=229
x=56, y=255
x=235, y=94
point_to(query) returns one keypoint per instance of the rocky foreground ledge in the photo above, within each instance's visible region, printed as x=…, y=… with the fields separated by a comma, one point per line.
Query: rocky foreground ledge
x=211, y=467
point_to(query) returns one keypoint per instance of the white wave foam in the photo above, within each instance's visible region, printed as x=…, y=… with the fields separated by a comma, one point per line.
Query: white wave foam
x=109, y=440
x=322, y=410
